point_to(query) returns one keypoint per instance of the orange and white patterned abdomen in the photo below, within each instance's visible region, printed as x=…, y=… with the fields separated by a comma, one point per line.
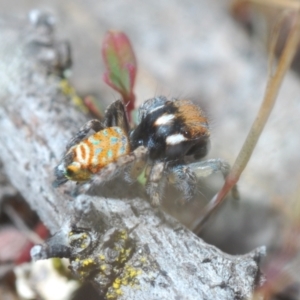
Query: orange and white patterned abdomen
x=100, y=149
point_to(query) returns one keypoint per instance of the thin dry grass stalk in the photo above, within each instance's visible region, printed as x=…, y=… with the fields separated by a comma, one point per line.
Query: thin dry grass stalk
x=272, y=89
x=293, y=4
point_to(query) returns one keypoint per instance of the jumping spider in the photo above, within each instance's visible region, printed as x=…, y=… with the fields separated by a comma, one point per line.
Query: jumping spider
x=168, y=132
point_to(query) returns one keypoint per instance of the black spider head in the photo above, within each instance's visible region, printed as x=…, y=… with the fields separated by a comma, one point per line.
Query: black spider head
x=171, y=129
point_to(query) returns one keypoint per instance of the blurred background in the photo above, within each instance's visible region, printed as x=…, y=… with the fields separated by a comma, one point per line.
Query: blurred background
x=215, y=53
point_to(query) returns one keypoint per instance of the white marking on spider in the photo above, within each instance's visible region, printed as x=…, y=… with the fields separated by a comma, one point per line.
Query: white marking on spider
x=164, y=120
x=79, y=154
x=175, y=139
x=156, y=108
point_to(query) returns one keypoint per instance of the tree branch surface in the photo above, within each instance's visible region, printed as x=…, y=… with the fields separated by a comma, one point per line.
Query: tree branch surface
x=140, y=253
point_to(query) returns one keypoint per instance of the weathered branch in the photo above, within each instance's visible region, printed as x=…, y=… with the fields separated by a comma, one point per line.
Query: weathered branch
x=124, y=245
x=6, y=189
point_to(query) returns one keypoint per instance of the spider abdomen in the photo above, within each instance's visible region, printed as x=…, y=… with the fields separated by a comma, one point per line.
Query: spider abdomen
x=95, y=152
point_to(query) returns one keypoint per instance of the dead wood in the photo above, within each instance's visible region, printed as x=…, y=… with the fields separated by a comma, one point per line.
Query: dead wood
x=132, y=251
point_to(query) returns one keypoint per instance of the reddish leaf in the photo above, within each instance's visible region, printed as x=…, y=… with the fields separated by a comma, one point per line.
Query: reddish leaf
x=12, y=242
x=120, y=65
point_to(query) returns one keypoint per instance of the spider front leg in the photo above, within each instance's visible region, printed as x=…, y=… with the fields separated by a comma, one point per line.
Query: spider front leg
x=210, y=166
x=137, y=167
x=184, y=179
x=94, y=124
x=156, y=182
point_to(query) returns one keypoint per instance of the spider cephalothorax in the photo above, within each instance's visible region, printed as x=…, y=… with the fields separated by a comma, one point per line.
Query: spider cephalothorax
x=168, y=132
x=172, y=130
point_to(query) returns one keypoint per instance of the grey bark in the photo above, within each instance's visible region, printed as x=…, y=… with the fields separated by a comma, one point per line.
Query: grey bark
x=6, y=189
x=164, y=260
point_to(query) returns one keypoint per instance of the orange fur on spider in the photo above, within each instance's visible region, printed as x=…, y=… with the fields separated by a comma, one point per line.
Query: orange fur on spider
x=195, y=121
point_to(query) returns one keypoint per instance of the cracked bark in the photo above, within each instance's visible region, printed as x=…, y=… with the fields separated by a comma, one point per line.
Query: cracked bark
x=164, y=259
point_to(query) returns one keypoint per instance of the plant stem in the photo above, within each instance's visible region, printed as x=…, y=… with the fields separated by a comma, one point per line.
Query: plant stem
x=273, y=86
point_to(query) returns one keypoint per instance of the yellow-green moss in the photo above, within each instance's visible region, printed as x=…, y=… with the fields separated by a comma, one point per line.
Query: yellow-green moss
x=101, y=257
x=127, y=277
x=88, y=262
x=69, y=91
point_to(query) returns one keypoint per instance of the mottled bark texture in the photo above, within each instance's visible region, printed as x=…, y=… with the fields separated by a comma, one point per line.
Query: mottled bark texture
x=114, y=238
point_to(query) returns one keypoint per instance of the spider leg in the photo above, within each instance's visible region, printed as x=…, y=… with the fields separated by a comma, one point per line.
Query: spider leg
x=184, y=179
x=210, y=166
x=115, y=115
x=111, y=170
x=156, y=182
x=94, y=124
x=134, y=170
